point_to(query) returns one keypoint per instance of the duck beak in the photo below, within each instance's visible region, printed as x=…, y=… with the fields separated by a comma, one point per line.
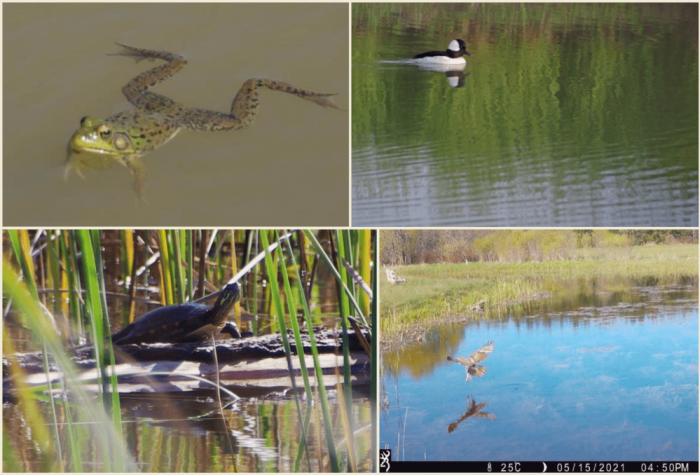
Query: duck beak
x=467, y=53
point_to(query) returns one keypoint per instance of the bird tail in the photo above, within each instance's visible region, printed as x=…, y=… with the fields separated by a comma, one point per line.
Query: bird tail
x=469, y=376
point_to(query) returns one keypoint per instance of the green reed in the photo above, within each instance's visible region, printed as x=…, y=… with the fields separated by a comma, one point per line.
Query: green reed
x=68, y=273
x=82, y=407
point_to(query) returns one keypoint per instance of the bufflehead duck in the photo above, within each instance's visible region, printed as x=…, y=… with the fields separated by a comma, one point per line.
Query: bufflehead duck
x=452, y=55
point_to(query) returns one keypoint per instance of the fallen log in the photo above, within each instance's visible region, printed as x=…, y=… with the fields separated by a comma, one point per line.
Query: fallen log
x=248, y=366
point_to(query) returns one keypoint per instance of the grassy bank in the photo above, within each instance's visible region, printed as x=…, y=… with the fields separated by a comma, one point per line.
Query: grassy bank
x=439, y=292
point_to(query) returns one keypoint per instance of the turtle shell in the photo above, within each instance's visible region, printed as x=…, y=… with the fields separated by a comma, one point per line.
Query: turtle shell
x=180, y=323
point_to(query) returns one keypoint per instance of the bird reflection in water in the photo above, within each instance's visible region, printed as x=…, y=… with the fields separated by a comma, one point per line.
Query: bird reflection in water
x=473, y=410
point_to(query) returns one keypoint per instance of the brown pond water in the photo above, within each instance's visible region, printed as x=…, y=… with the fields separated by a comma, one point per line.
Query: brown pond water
x=57, y=70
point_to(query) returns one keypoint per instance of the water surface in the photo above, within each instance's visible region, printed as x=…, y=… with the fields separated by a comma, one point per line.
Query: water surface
x=567, y=115
x=57, y=70
x=598, y=372
x=185, y=433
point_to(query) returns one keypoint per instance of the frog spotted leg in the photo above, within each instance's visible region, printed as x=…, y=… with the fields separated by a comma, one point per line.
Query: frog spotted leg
x=136, y=90
x=245, y=106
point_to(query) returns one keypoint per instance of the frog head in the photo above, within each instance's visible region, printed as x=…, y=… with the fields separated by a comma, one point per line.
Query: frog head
x=99, y=136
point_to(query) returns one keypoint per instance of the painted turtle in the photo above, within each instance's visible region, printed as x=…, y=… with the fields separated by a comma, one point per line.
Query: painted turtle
x=180, y=323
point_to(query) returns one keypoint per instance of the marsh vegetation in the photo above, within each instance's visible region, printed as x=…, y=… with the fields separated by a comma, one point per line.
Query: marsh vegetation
x=595, y=339
x=64, y=288
x=448, y=273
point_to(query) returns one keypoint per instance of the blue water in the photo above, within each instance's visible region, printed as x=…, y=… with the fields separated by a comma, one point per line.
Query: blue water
x=615, y=383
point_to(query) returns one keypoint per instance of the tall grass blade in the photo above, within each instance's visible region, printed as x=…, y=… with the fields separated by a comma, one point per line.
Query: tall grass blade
x=33, y=417
x=334, y=271
x=275, y=293
x=20, y=245
x=374, y=358
x=365, y=267
x=167, y=294
x=347, y=428
x=344, y=253
x=177, y=270
x=323, y=398
x=94, y=306
x=189, y=252
x=297, y=338
x=110, y=442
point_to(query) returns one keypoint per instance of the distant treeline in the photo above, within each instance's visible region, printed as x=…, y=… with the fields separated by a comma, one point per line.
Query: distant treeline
x=404, y=247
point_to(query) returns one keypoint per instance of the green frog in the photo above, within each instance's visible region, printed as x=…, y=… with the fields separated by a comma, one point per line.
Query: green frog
x=126, y=136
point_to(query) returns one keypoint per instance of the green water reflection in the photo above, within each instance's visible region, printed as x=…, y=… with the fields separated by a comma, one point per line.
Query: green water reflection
x=570, y=114
x=176, y=433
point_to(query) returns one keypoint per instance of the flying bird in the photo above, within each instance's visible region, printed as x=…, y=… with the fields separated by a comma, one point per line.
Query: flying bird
x=471, y=364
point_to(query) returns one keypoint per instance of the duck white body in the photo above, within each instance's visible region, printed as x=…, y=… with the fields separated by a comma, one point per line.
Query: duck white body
x=453, y=55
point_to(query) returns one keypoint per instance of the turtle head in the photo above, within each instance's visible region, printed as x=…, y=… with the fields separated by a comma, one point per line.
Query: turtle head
x=228, y=297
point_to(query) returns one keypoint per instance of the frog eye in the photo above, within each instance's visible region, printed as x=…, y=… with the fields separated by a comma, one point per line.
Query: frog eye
x=82, y=121
x=121, y=141
x=105, y=132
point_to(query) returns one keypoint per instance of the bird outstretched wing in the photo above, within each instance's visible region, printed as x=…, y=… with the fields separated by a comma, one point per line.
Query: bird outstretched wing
x=478, y=356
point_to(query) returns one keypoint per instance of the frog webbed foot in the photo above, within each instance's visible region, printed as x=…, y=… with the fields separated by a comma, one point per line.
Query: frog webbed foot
x=326, y=100
x=138, y=172
x=175, y=63
x=138, y=54
x=68, y=167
